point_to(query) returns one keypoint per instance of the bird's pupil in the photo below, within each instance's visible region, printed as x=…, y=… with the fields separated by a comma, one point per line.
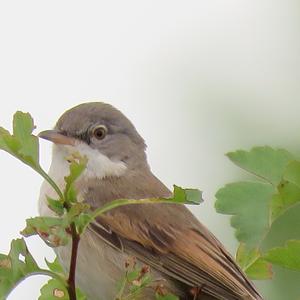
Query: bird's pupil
x=99, y=133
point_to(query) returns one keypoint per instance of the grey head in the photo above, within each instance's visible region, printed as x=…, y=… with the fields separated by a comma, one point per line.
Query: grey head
x=103, y=129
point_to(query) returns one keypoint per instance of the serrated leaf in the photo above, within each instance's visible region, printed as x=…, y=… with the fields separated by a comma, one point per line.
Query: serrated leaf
x=22, y=129
x=260, y=270
x=82, y=221
x=288, y=195
x=23, y=125
x=54, y=290
x=249, y=204
x=137, y=286
x=15, y=267
x=56, y=206
x=77, y=166
x=292, y=173
x=55, y=266
x=186, y=196
x=52, y=230
x=77, y=208
x=22, y=144
x=264, y=162
x=253, y=264
x=287, y=256
x=7, y=142
x=245, y=257
x=80, y=215
x=166, y=297
x=80, y=295
x=133, y=275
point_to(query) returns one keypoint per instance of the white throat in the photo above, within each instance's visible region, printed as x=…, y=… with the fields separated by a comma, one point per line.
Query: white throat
x=98, y=166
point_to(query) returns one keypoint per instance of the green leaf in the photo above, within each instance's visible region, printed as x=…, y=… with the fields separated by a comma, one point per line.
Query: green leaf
x=186, y=196
x=22, y=129
x=260, y=270
x=264, y=162
x=134, y=281
x=56, y=206
x=77, y=208
x=77, y=166
x=166, y=297
x=54, y=290
x=54, y=231
x=292, y=173
x=287, y=256
x=249, y=204
x=288, y=195
x=8, y=143
x=15, y=267
x=80, y=214
x=80, y=295
x=55, y=266
x=253, y=264
x=22, y=144
x=133, y=275
x=82, y=221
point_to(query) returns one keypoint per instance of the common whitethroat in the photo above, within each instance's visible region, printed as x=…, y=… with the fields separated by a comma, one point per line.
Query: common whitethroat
x=183, y=255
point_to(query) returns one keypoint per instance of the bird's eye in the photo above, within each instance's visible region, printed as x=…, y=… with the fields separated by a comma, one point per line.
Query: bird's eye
x=100, y=132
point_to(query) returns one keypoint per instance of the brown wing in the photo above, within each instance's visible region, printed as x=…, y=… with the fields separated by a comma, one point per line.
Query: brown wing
x=167, y=237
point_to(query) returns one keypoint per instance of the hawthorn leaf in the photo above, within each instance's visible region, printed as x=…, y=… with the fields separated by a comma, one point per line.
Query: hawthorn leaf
x=54, y=290
x=76, y=209
x=54, y=231
x=23, y=126
x=80, y=295
x=166, y=297
x=288, y=195
x=137, y=281
x=264, y=162
x=15, y=267
x=260, y=270
x=186, y=196
x=56, y=206
x=8, y=143
x=82, y=221
x=55, y=266
x=21, y=144
x=292, y=173
x=252, y=263
x=80, y=214
x=287, y=256
x=249, y=204
x=77, y=166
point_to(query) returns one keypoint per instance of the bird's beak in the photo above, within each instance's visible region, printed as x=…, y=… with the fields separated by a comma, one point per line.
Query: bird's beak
x=57, y=137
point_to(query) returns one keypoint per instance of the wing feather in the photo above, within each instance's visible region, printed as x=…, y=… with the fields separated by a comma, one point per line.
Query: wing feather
x=167, y=237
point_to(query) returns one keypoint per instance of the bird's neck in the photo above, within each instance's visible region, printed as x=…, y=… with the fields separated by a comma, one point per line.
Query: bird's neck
x=98, y=166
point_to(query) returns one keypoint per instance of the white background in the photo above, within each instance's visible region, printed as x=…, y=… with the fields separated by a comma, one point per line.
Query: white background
x=197, y=78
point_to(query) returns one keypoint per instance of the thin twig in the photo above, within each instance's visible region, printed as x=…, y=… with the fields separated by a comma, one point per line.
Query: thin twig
x=73, y=261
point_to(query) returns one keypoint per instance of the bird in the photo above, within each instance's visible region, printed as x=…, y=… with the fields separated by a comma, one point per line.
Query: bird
x=184, y=256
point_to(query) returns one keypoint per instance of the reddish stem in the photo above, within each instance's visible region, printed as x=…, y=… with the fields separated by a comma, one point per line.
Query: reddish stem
x=73, y=261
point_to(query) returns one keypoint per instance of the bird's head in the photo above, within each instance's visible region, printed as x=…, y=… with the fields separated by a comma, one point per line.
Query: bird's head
x=103, y=134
